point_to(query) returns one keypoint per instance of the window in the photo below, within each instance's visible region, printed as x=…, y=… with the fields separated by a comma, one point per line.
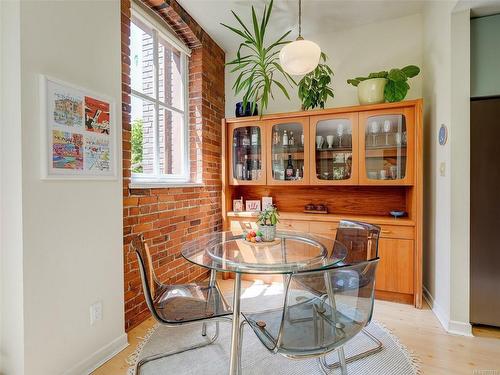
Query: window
x=158, y=74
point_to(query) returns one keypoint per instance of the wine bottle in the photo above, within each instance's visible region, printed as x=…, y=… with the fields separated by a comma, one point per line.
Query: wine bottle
x=289, y=169
x=285, y=139
x=246, y=139
x=235, y=139
x=255, y=136
x=255, y=169
x=276, y=137
x=245, y=168
x=291, y=140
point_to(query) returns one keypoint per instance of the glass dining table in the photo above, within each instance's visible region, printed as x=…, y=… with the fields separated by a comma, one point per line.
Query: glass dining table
x=290, y=252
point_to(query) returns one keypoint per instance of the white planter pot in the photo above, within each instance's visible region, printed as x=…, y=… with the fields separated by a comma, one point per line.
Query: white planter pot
x=371, y=91
x=268, y=232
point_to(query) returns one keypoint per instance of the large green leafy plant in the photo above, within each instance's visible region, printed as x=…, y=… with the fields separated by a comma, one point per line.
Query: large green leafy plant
x=314, y=87
x=256, y=62
x=397, y=81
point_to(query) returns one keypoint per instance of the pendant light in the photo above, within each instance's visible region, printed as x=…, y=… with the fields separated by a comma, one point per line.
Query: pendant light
x=302, y=56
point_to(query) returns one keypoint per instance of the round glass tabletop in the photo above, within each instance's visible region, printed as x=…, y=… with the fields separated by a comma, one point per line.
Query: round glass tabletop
x=291, y=252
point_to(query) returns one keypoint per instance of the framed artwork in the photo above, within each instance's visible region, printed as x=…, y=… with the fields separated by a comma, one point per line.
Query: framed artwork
x=238, y=205
x=266, y=202
x=252, y=206
x=79, y=132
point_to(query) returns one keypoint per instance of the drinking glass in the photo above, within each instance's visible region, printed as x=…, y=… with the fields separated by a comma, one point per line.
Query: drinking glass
x=340, y=133
x=319, y=141
x=374, y=129
x=387, y=130
x=329, y=140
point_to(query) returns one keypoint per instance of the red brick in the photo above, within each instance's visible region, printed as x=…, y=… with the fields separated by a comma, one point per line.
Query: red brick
x=169, y=217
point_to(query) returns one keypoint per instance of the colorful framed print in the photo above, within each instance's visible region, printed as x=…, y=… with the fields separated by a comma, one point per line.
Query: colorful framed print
x=237, y=205
x=79, y=133
x=252, y=206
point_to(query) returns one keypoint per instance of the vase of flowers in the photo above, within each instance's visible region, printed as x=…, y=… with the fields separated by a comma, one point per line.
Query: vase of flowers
x=267, y=223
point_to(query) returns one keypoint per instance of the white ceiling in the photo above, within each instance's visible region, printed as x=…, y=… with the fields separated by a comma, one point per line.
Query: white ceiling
x=318, y=16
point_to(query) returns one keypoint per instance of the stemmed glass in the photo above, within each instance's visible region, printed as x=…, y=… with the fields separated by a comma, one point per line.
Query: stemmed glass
x=387, y=130
x=374, y=129
x=349, y=136
x=340, y=133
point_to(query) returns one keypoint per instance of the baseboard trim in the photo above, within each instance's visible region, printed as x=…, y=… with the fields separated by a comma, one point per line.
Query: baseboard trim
x=451, y=326
x=99, y=357
x=460, y=328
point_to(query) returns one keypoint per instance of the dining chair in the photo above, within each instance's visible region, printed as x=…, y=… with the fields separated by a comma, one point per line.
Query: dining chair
x=310, y=325
x=177, y=304
x=361, y=241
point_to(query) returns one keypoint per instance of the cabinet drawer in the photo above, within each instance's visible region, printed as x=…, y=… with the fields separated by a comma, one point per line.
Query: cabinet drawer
x=397, y=231
x=302, y=226
x=323, y=227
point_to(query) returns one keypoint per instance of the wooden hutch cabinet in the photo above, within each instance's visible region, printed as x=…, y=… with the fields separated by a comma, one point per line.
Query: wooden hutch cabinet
x=361, y=162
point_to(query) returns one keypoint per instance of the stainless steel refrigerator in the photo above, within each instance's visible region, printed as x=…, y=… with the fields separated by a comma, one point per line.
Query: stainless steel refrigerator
x=485, y=211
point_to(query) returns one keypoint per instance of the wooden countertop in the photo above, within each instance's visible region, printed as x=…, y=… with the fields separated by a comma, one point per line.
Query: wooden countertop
x=382, y=220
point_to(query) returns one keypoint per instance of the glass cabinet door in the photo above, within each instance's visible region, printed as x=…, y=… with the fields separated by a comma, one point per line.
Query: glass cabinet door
x=247, y=155
x=333, y=141
x=289, y=152
x=388, y=147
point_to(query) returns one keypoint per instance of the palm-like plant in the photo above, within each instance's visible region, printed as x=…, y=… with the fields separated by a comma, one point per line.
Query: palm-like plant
x=260, y=62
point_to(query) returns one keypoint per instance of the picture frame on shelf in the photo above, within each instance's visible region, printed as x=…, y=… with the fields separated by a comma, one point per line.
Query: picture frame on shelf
x=252, y=205
x=266, y=202
x=238, y=205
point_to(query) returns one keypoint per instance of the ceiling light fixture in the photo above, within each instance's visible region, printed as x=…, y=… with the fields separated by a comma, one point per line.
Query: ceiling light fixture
x=302, y=56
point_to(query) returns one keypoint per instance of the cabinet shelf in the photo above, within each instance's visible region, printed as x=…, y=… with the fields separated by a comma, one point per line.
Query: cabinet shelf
x=334, y=149
x=380, y=152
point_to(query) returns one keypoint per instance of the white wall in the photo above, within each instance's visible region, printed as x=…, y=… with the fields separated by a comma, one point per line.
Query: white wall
x=460, y=171
x=354, y=52
x=437, y=91
x=71, y=230
x=446, y=101
x=11, y=241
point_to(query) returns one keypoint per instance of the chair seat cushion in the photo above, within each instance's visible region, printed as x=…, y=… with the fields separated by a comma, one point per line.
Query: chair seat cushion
x=190, y=302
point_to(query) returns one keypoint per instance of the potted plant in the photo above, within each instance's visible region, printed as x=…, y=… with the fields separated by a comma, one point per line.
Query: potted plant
x=257, y=64
x=314, y=87
x=383, y=86
x=266, y=223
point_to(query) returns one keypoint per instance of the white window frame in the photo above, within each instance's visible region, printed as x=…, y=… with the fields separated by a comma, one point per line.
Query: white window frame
x=158, y=179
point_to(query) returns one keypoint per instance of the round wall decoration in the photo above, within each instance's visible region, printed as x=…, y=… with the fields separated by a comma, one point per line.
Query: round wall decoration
x=443, y=134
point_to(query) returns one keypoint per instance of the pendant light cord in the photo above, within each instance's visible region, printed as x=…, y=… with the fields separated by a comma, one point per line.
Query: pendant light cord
x=300, y=18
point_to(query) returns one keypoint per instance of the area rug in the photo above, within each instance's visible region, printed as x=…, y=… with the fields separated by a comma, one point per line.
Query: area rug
x=393, y=359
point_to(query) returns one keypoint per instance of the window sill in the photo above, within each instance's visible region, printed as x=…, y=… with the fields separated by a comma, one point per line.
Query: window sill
x=162, y=184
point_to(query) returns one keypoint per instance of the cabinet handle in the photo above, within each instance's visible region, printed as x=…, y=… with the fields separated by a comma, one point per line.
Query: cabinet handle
x=384, y=231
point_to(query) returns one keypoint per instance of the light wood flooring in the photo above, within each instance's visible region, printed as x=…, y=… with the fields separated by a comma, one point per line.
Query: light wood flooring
x=440, y=353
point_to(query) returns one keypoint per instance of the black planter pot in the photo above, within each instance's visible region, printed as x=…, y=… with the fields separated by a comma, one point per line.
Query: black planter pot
x=247, y=112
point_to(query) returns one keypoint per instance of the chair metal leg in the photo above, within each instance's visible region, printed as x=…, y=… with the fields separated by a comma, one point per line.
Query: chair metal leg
x=204, y=329
x=242, y=326
x=376, y=349
x=343, y=363
x=163, y=355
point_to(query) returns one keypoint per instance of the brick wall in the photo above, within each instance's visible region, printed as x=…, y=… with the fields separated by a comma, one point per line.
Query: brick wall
x=168, y=217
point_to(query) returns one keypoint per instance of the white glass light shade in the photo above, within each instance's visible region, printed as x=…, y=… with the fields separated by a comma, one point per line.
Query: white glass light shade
x=300, y=57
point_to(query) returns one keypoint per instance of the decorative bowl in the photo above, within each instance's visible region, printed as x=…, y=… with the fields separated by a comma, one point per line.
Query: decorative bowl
x=397, y=214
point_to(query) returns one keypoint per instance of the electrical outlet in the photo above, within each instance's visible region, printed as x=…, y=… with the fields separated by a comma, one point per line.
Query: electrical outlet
x=95, y=312
x=442, y=169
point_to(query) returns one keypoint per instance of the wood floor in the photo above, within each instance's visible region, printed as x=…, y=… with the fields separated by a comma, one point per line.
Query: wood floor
x=440, y=353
